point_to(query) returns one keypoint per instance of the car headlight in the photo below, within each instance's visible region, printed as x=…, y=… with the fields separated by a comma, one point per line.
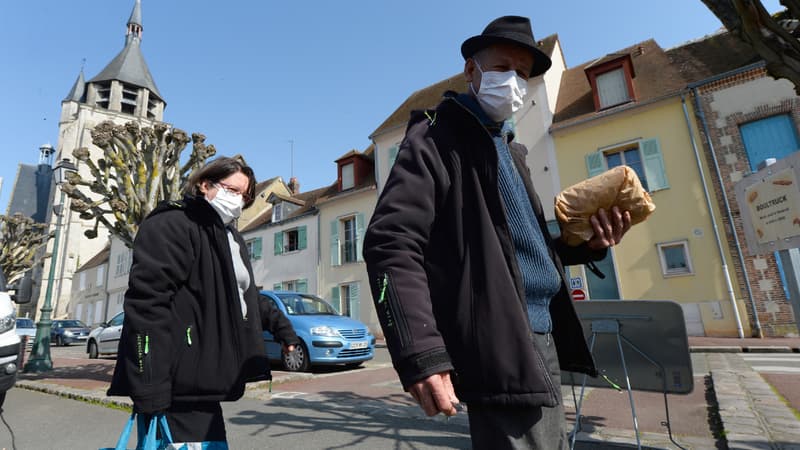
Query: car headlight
x=8, y=322
x=68, y=333
x=324, y=331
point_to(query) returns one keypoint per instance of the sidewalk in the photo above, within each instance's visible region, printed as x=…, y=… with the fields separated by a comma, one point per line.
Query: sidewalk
x=751, y=414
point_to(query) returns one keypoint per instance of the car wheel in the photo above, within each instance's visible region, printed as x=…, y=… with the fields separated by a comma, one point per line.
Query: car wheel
x=59, y=341
x=297, y=361
x=92, y=350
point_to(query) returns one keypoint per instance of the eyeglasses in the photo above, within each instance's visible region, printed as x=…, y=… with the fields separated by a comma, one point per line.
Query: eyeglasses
x=234, y=189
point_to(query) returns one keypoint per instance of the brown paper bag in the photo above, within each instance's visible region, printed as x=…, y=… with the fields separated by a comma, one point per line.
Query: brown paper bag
x=618, y=187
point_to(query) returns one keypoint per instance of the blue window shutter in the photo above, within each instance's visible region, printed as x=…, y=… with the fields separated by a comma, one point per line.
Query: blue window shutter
x=773, y=137
x=278, y=243
x=653, y=165
x=335, y=298
x=595, y=163
x=335, y=243
x=277, y=287
x=302, y=285
x=355, y=303
x=359, y=237
x=257, y=248
x=301, y=238
x=393, y=155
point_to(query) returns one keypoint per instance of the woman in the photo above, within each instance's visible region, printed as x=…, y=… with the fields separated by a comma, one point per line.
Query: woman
x=193, y=326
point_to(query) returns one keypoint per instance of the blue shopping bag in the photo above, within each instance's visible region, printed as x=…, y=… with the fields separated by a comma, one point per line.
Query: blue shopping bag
x=151, y=440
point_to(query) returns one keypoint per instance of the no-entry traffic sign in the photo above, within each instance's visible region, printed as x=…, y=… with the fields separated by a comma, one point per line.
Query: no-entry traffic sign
x=578, y=294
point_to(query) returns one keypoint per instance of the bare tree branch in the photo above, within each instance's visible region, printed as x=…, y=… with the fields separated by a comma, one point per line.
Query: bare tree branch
x=139, y=168
x=770, y=36
x=20, y=241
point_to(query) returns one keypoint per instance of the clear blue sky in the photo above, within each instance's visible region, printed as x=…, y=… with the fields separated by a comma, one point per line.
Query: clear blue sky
x=252, y=75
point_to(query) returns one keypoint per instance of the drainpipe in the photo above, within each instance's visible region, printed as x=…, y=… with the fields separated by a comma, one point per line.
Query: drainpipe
x=713, y=219
x=758, y=331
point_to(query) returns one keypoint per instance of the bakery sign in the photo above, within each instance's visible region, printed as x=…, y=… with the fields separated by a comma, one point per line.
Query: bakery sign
x=769, y=201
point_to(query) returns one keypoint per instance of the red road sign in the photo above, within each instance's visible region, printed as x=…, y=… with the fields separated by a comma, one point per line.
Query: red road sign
x=578, y=294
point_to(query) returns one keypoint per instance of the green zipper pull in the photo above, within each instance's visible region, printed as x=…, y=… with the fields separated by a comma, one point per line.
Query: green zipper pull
x=146, y=344
x=384, y=284
x=189, y=336
x=614, y=385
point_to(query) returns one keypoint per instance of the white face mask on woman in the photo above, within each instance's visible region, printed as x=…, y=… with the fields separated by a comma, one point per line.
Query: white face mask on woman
x=228, y=204
x=500, y=94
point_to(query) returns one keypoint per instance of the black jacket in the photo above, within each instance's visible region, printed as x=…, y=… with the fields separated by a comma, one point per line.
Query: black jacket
x=184, y=337
x=443, y=271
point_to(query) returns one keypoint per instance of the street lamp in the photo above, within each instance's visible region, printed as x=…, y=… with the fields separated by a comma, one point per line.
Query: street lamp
x=40, y=354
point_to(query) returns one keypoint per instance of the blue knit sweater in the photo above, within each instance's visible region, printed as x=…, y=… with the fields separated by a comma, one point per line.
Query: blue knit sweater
x=539, y=274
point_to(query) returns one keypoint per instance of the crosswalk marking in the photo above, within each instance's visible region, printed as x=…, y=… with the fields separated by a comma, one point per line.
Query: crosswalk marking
x=774, y=363
x=772, y=359
x=782, y=369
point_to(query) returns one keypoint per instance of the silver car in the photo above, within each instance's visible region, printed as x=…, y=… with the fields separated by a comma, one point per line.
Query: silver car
x=104, y=339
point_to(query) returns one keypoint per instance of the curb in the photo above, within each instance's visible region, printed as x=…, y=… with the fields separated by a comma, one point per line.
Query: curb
x=743, y=349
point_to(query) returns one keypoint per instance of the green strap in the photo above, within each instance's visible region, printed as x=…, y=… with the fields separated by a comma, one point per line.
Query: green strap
x=384, y=283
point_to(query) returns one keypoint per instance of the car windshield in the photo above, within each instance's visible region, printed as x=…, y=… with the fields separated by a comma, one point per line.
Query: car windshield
x=25, y=323
x=306, y=305
x=72, y=324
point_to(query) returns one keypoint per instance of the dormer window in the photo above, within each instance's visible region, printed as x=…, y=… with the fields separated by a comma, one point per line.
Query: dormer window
x=612, y=89
x=354, y=169
x=348, y=176
x=277, y=212
x=611, y=80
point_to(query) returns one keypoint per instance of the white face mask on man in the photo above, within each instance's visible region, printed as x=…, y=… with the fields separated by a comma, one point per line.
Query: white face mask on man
x=501, y=93
x=228, y=204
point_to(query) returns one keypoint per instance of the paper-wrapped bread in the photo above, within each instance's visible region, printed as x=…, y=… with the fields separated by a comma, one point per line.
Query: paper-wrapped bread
x=618, y=187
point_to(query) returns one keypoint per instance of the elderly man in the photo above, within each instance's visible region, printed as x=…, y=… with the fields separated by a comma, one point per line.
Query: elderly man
x=469, y=286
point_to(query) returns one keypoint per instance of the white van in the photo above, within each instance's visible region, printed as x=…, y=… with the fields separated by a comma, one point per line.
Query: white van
x=9, y=341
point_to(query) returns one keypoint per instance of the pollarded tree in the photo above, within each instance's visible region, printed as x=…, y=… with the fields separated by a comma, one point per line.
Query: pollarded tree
x=20, y=241
x=773, y=37
x=139, y=168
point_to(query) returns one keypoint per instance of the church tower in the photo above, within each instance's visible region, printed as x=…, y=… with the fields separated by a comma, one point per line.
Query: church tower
x=122, y=92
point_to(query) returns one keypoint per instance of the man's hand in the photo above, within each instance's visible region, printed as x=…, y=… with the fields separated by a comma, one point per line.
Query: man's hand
x=608, y=231
x=435, y=395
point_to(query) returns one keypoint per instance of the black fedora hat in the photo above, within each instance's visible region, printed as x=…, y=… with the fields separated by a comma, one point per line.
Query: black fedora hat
x=513, y=30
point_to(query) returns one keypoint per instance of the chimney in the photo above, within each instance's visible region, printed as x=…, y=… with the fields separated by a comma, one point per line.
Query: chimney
x=640, y=50
x=294, y=186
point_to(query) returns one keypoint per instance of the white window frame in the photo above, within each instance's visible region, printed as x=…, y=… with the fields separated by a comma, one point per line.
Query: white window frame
x=348, y=176
x=82, y=283
x=344, y=242
x=621, y=151
x=277, y=212
x=123, y=263
x=344, y=300
x=666, y=271
x=101, y=272
x=286, y=240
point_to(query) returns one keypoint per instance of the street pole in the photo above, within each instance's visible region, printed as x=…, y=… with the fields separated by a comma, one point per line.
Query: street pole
x=40, y=354
x=40, y=360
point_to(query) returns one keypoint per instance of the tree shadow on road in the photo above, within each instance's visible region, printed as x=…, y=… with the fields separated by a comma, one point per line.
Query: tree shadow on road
x=94, y=372
x=362, y=421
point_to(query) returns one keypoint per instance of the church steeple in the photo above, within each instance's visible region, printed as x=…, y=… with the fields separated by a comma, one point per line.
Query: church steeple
x=76, y=94
x=125, y=84
x=135, y=23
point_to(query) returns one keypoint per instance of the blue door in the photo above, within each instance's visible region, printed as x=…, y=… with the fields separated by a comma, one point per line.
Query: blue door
x=773, y=137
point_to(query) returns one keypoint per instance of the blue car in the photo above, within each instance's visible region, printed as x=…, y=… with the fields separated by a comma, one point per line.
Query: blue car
x=327, y=337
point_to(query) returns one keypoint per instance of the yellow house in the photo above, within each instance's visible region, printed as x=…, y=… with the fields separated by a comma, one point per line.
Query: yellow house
x=631, y=108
